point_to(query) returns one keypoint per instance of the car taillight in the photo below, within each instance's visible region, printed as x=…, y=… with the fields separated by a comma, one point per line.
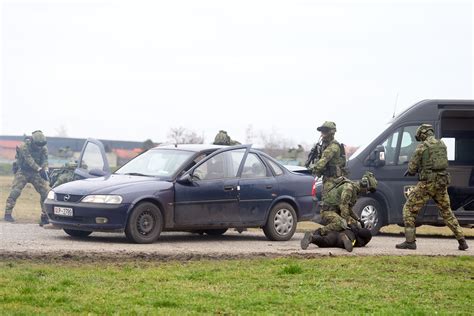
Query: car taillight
x=313, y=189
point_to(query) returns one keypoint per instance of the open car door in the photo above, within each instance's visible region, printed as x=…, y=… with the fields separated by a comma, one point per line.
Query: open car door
x=92, y=161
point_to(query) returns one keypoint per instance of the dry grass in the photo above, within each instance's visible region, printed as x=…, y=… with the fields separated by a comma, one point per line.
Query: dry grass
x=27, y=210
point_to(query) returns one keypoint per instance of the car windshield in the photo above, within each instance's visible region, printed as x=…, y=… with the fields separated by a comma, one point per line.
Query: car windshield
x=156, y=163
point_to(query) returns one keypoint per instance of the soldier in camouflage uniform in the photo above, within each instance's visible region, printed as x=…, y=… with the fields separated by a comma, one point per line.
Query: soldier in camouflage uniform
x=331, y=162
x=223, y=139
x=63, y=175
x=337, y=205
x=430, y=161
x=31, y=166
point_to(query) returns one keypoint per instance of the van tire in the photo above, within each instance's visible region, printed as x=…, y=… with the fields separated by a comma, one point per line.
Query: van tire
x=371, y=213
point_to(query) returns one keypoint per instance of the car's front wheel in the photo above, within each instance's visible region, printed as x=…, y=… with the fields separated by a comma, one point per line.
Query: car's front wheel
x=281, y=222
x=144, y=224
x=77, y=233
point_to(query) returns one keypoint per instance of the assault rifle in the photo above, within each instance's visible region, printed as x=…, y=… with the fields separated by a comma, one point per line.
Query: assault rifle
x=314, y=154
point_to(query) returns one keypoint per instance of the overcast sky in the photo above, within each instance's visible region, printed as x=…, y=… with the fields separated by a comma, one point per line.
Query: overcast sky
x=132, y=70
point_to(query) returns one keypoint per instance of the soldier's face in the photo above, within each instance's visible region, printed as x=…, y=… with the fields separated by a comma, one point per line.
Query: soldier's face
x=325, y=133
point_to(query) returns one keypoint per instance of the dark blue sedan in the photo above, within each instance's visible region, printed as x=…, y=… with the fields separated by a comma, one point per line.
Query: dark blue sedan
x=197, y=188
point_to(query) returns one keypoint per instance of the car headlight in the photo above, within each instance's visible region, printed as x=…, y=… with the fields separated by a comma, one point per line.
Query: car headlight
x=51, y=195
x=104, y=199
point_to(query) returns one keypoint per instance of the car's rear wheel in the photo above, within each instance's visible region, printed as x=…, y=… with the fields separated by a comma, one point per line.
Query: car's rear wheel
x=215, y=232
x=77, y=233
x=144, y=224
x=281, y=222
x=371, y=213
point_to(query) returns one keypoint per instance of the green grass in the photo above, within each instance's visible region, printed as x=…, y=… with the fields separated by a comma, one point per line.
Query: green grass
x=350, y=285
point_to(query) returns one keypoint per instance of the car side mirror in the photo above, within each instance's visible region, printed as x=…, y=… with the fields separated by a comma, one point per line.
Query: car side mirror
x=376, y=157
x=185, y=179
x=379, y=154
x=97, y=173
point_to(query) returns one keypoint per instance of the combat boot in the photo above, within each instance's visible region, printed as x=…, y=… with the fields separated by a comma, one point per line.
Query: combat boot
x=307, y=239
x=407, y=245
x=462, y=244
x=8, y=218
x=346, y=241
x=410, y=242
x=44, y=220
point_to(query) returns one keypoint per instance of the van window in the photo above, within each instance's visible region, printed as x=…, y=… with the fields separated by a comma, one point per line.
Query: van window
x=390, y=146
x=408, y=144
x=457, y=130
x=450, y=146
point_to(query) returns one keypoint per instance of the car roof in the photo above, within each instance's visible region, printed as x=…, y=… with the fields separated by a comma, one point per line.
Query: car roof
x=191, y=147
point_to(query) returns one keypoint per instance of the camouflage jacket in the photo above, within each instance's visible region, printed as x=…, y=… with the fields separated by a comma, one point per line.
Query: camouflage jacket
x=30, y=160
x=330, y=157
x=342, y=198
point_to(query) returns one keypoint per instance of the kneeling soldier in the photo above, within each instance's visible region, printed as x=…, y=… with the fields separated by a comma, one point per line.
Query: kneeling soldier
x=337, y=205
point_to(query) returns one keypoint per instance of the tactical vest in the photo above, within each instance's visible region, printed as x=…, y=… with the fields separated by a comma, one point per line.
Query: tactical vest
x=434, y=159
x=332, y=199
x=37, y=156
x=336, y=167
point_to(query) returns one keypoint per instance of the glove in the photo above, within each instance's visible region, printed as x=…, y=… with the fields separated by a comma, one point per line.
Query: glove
x=408, y=173
x=44, y=174
x=361, y=222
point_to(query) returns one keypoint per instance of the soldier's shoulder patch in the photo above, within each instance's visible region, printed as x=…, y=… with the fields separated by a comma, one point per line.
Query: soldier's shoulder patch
x=407, y=189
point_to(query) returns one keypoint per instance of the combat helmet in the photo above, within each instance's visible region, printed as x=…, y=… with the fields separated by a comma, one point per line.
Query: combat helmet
x=424, y=131
x=38, y=138
x=327, y=126
x=222, y=138
x=368, y=182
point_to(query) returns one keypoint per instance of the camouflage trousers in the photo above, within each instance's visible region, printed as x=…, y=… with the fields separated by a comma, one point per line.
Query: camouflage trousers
x=19, y=182
x=436, y=190
x=332, y=221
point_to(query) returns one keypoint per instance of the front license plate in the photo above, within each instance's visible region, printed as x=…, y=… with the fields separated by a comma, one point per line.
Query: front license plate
x=62, y=211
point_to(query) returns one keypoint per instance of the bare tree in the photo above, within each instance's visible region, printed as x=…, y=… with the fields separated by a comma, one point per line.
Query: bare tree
x=61, y=131
x=181, y=135
x=249, y=134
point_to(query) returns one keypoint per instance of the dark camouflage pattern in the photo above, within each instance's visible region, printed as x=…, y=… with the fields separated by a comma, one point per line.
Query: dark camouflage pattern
x=63, y=175
x=436, y=190
x=30, y=159
x=342, y=197
x=332, y=221
x=19, y=182
x=433, y=184
x=223, y=139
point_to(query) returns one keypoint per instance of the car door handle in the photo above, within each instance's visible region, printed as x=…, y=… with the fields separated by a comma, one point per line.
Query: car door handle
x=229, y=188
x=269, y=186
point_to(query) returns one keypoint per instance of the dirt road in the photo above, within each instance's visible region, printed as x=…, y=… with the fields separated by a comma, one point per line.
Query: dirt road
x=32, y=241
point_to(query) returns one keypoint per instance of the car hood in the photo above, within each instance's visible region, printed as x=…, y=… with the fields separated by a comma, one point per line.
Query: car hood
x=111, y=184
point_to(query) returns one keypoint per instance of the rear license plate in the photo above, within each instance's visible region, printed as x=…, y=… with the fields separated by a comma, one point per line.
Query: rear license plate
x=63, y=211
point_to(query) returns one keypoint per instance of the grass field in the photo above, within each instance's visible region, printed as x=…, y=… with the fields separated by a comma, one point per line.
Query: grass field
x=27, y=210
x=355, y=285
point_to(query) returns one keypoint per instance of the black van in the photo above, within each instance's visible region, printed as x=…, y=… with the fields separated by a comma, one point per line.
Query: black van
x=388, y=154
